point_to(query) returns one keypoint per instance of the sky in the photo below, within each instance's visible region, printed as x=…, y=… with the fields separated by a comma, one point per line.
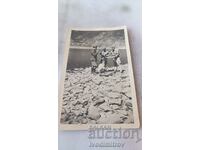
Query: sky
x=98, y=38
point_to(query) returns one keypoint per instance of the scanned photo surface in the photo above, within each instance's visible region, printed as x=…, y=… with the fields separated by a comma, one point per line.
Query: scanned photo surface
x=98, y=84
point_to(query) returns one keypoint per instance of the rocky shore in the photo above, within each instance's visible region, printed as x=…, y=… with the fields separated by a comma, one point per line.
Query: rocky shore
x=97, y=99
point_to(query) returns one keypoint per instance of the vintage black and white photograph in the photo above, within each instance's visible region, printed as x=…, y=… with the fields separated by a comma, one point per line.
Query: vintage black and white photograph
x=98, y=83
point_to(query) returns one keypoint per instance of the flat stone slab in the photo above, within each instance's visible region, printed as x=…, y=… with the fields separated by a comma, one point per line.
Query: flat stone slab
x=93, y=113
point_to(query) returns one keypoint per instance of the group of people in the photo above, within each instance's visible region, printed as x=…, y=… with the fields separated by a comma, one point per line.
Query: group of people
x=99, y=66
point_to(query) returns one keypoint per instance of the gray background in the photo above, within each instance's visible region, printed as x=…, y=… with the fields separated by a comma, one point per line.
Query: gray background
x=101, y=13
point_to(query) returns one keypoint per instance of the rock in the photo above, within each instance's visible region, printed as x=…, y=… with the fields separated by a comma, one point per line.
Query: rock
x=92, y=122
x=83, y=111
x=127, y=121
x=114, y=95
x=76, y=103
x=114, y=107
x=83, y=100
x=77, y=91
x=95, y=98
x=124, y=76
x=68, y=89
x=105, y=107
x=87, y=70
x=65, y=103
x=63, y=111
x=123, y=112
x=76, y=112
x=99, y=102
x=67, y=83
x=128, y=104
x=89, y=97
x=117, y=81
x=78, y=107
x=67, y=98
x=85, y=103
x=78, y=119
x=67, y=117
x=93, y=113
x=100, y=94
x=110, y=119
x=97, y=82
x=93, y=92
x=63, y=115
x=84, y=121
x=115, y=102
x=130, y=118
x=86, y=90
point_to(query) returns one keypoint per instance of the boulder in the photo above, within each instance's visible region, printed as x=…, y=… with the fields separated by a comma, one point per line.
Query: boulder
x=77, y=112
x=97, y=82
x=105, y=107
x=114, y=95
x=75, y=102
x=99, y=102
x=93, y=113
x=110, y=119
x=114, y=107
x=92, y=122
x=77, y=91
x=123, y=112
x=115, y=102
x=84, y=121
